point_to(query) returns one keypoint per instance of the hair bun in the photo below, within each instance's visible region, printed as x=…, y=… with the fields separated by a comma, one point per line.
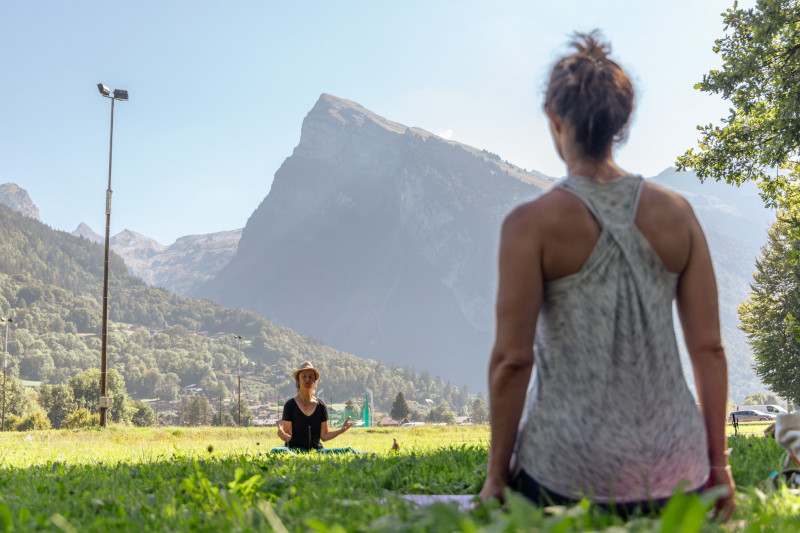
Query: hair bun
x=591, y=92
x=590, y=46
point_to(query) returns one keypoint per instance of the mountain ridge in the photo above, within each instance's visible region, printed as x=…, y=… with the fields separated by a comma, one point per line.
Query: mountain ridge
x=179, y=267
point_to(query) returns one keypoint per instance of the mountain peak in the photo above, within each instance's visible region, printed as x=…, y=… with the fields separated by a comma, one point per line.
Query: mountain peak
x=83, y=230
x=17, y=199
x=349, y=112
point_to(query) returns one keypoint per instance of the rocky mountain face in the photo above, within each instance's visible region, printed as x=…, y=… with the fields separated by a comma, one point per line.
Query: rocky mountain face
x=381, y=240
x=17, y=199
x=179, y=267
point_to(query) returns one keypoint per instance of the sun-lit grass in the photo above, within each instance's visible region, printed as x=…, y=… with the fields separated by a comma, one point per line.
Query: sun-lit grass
x=134, y=445
x=225, y=479
x=748, y=428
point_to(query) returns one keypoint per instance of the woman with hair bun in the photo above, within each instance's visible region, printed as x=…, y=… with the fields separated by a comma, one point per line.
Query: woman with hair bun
x=587, y=277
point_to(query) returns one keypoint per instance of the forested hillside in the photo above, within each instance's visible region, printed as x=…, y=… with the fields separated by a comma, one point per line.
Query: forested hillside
x=51, y=285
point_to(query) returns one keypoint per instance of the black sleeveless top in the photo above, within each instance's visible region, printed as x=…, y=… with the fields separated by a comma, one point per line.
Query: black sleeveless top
x=305, y=429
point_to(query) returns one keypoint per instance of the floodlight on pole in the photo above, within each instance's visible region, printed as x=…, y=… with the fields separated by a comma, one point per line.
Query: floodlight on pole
x=5, y=360
x=105, y=404
x=239, y=365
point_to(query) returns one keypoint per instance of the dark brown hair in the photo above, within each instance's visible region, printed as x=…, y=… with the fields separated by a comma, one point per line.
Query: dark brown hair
x=592, y=93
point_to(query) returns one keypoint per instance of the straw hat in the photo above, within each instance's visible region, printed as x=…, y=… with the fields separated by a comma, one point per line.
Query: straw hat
x=306, y=366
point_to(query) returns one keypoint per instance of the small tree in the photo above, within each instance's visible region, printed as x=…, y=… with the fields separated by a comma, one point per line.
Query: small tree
x=759, y=398
x=58, y=402
x=143, y=415
x=196, y=411
x=399, y=409
x=227, y=419
x=442, y=413
x=18, y=398
x=769, y=316
x=84, y=389
x=479, y=413
x=247, y=414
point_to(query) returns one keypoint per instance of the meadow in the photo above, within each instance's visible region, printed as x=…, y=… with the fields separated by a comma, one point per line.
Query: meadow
x=225, y=479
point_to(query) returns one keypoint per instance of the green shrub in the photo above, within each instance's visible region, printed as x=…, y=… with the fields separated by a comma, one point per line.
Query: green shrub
x=81, y=418
x=12, y=422
x=34, y=421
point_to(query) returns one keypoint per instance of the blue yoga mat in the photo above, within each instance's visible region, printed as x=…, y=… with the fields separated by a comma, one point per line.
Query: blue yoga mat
x=294, y=451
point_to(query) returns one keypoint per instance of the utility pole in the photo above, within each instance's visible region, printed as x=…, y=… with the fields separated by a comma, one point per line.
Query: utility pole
x=239, y=338
x=5, y=365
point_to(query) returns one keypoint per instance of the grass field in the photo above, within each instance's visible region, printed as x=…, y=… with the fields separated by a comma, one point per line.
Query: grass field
x=222, y=479
x=748, y=428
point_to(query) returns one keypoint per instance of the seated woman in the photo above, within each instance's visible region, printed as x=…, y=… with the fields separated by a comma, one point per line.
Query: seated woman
x=305, y=417
x=587, y=277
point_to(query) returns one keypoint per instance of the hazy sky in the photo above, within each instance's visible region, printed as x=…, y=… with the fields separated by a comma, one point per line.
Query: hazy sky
x=218, y=91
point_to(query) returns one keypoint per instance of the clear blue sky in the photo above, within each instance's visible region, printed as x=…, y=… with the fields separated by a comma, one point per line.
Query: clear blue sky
x=218, y=91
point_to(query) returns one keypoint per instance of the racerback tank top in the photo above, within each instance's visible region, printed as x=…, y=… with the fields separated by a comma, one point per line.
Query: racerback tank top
x=609, y=415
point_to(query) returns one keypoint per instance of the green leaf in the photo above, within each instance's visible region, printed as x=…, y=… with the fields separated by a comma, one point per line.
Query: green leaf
x=5, y=517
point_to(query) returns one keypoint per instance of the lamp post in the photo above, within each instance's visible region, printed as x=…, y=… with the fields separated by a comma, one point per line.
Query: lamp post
x=239, y=338
x=118, y=94
x=5, y=360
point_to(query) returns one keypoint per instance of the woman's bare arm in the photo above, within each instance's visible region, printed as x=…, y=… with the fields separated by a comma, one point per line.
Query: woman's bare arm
x=699, y=315
x=325, y=434
x=519, y=297
x=285, y=432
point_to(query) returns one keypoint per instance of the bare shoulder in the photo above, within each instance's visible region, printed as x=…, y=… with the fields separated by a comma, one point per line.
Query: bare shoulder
x=658, y=196
x=540, y=214
x=661, y=208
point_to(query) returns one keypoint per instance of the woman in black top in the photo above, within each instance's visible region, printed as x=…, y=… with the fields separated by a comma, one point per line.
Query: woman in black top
x=305, y=417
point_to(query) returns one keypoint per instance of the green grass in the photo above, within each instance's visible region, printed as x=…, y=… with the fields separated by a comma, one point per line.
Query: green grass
x=748, y=428
x=224, y=479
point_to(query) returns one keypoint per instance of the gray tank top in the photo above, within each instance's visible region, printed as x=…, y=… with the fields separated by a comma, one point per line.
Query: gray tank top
x=609, y=415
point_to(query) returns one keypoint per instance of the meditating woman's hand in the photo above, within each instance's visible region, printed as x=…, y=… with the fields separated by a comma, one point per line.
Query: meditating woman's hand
x=347, y=424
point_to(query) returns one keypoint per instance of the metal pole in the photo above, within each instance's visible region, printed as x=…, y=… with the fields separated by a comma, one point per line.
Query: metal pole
x=5, y=359
x=239, y=338
x=104, y=337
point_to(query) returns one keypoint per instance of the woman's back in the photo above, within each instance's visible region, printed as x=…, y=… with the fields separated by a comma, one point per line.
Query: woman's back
x=569, y=231
x=610, y=415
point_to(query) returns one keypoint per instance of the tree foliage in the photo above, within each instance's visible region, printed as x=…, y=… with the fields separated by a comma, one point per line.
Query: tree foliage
x=399, y=409
x=196, y=411
x=442, y=413
x=51, y=284
x=768, y=317
x=34, y=421
x=58, y=402
x=81, y=418
x=18, y=399
x=247, y=414
x=480, y=414
x=759, y=398
x=143, y=415
x=761, y=79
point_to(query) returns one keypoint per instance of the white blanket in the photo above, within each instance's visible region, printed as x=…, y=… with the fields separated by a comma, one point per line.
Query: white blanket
x=787, y=432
